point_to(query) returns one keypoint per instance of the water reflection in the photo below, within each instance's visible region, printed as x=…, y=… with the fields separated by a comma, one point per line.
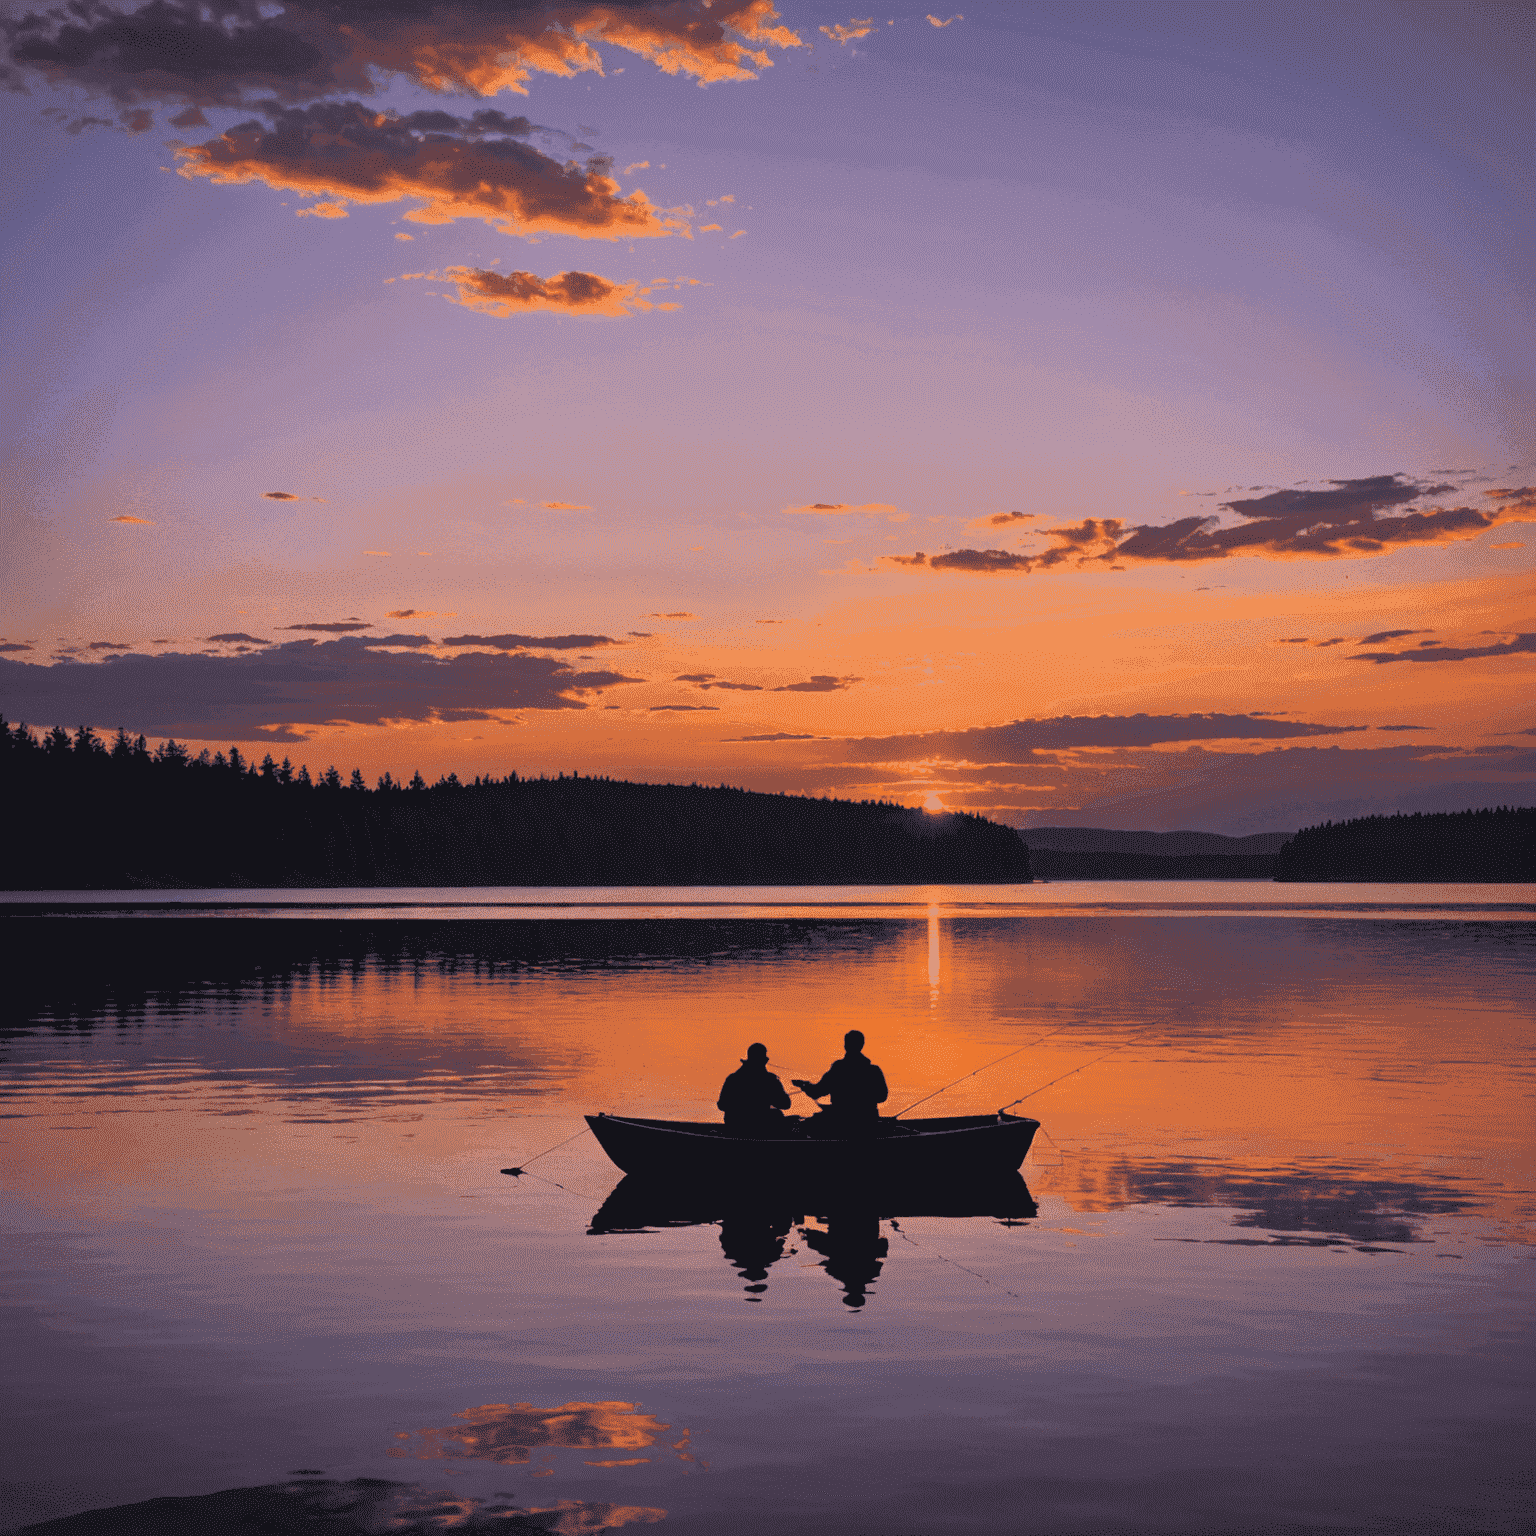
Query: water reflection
x=755, y=1225
x=362, y=1506
x=753, y=1241
x=509, y=1433
x=95, y=971
x=256, y=1225
x=852, y=1249
x=1317, y=1204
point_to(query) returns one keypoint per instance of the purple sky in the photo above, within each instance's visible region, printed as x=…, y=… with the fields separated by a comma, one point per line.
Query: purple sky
x=1115, y=268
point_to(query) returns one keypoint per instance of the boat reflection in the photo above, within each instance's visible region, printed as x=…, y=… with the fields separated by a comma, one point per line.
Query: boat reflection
x=841, y=1225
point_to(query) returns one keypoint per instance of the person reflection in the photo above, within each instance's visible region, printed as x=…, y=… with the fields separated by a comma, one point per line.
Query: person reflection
x=857, y=1087
x=753, y=1241
x=853, y=1250
x=753, y=1100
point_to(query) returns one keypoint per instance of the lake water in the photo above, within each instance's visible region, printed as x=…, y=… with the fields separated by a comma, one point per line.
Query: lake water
x=1272, y=1272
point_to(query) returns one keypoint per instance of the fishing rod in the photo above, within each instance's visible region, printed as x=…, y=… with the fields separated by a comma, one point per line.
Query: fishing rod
x=1065, y=1075
x=947, y=1086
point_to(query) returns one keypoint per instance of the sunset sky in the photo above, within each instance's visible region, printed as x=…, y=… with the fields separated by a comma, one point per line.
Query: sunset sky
x=1091, y=414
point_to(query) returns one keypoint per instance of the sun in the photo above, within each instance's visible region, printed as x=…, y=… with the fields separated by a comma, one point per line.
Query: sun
x=933, y=803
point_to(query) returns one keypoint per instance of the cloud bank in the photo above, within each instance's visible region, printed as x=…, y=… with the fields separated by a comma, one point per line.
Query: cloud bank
x=264, y=695
x=1435, y=650
x=1159, y=772
x=226, y=52
x=477, y=167
x=1354, y=518
x=1020, y=740
x=532, y=642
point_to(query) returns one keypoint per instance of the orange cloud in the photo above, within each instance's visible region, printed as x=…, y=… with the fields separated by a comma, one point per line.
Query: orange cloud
x=1353, y=519
x=846, y=32
x=458, y=168
x=670, y=615
x=936, y=22
x=567, y=293
x=323, y=211
x=183, y=51
x=143, y=522
x=565, y=506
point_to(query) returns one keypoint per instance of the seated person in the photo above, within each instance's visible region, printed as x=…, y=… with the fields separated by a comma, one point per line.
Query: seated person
x=857, y=1087
x=753, y=1100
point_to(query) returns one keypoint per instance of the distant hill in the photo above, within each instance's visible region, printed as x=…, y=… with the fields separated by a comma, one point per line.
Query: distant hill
x=85, y=815
x=1101, y=853
x=1490, y=845
x=1047, y=864
x=1160, y=844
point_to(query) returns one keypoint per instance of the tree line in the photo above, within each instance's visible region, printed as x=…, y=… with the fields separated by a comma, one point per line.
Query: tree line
x=89, y=813
x=1497, y=845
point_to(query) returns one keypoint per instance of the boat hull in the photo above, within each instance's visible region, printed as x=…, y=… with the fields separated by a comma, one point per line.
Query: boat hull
x=897, y=1151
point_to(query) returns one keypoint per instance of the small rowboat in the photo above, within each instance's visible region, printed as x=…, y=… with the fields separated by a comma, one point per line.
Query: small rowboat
x=965, y=1146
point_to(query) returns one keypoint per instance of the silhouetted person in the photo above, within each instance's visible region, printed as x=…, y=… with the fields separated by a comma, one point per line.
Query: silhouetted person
x=753, y=1100
x=857, y=1087
x=853, y=1249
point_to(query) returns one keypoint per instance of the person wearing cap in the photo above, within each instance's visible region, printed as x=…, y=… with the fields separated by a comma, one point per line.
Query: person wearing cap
x=857, y=1087
x=753, y=1100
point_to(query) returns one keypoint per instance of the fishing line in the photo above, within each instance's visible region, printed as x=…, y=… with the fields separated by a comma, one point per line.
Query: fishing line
x=517, y=1173
x=947, y=1086
x=1061, y=1157
x=575, y=1194
x=923, y=1248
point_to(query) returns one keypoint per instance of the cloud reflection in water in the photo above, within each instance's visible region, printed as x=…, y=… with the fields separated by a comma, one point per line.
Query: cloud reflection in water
x=509, y=1433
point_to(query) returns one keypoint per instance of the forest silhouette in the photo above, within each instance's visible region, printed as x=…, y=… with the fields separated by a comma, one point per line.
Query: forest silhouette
x=91, y=814
x=87, y=813
x=1496, y=845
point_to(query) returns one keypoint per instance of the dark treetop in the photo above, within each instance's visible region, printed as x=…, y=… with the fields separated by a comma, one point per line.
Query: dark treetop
x=86, y=814
x=1494, y=845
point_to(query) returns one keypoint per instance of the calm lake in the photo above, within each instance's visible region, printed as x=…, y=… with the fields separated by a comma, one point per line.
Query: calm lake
x=1272, y=1270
